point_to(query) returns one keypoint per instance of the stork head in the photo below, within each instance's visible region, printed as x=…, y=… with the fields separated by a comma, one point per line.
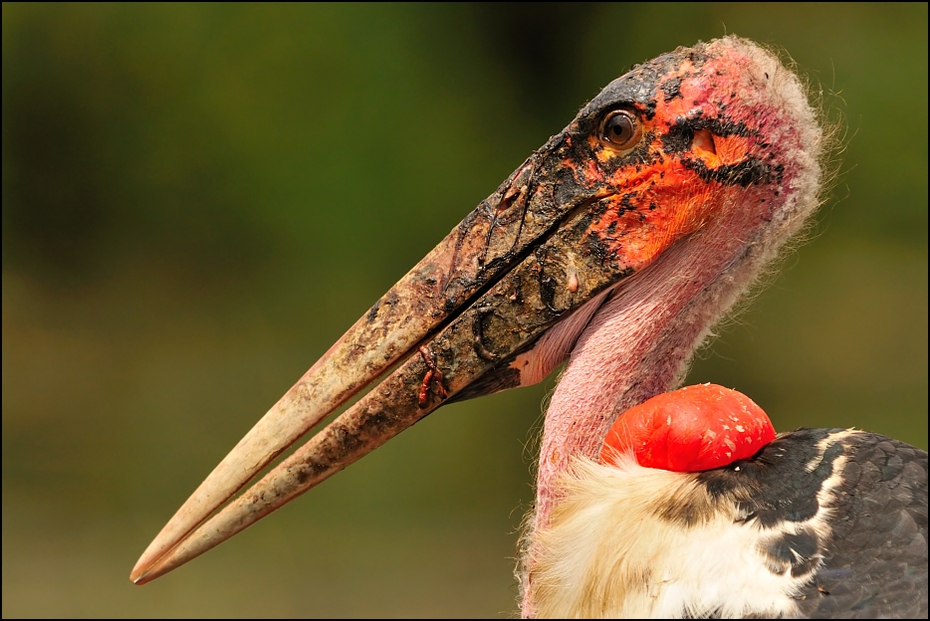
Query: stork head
x=705, y=154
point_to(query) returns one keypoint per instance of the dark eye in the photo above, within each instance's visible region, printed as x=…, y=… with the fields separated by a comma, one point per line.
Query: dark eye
x=620, y=129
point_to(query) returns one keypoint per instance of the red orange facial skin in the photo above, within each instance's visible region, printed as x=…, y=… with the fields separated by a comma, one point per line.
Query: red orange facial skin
x=691, y=429
x=694, y=158
x=700, y=159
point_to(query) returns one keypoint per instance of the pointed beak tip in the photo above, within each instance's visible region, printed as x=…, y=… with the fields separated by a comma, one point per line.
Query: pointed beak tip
x=138, y=575
x=142, y=573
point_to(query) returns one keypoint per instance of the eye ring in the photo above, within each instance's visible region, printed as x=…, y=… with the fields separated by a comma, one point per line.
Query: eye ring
x=621, y=129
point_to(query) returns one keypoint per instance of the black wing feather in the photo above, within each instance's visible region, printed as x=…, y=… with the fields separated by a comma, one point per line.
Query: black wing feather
x=874, y=561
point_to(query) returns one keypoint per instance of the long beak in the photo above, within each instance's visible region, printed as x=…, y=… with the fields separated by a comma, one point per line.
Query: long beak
x=504, y=275
x=636, y=170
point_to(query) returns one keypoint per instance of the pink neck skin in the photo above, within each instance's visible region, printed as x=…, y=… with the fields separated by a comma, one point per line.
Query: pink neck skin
x=641, y=340
x=625, y=356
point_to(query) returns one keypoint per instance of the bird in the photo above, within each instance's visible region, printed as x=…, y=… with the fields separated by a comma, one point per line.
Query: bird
x=617, y=247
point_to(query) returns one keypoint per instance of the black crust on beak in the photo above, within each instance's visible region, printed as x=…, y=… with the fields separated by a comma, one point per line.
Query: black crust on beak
x=526, y=258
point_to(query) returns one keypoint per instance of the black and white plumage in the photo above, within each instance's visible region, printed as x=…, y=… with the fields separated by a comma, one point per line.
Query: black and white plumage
x=873, y=562
x=821, y=523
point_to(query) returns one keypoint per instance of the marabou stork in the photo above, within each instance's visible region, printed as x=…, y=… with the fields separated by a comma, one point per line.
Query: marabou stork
x=618, y=245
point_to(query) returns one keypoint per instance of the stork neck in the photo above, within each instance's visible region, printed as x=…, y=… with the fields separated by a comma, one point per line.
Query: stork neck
x=637, y=346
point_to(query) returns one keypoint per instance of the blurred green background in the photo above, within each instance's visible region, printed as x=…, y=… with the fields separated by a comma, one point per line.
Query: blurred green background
x=198, y=200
